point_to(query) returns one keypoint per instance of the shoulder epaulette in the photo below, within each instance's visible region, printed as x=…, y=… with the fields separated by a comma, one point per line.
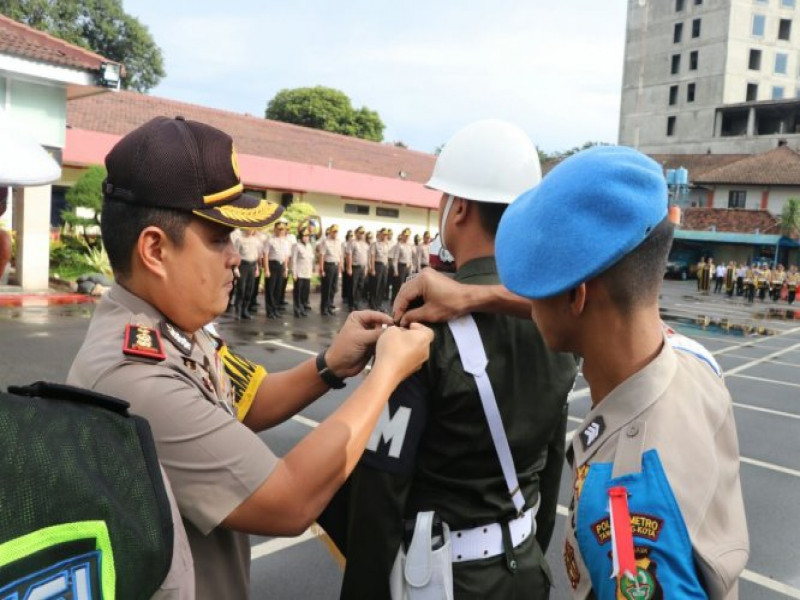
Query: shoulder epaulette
x=143, y=341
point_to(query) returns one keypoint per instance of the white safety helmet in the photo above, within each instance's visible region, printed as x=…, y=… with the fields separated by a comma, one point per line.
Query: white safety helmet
x=487, y=161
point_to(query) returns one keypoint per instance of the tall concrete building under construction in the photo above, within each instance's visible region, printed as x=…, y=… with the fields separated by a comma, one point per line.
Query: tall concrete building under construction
x=711, y=76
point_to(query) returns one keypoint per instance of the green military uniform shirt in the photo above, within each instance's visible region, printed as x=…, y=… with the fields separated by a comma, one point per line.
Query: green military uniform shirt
x=432, y=450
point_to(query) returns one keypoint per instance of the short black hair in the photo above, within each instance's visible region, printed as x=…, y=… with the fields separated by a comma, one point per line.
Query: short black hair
x=121, y=223
x=490, y=214
x=635, y=280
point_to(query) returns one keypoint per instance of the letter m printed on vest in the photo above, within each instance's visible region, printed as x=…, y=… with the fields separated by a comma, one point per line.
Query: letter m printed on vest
x=391, y=430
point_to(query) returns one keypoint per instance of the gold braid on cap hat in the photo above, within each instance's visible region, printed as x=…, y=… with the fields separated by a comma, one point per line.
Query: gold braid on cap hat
x=248, y=215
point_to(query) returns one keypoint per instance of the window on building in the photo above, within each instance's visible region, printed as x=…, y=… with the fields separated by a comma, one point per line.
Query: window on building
x=690, y=92
x=754, y=62
x=671, y=125
x=392, y=213
x=761, y=1
x=696, y=28
x=676, y=64
x=698, y=2
x=677, y=33
x=752, y=92
x=693, y=57
x=787, y=3
x=678, y=5
x=781, y=62
x=736, y=198
x=777, y=92
x=356, y=209
x=759, y=24
x=785, y=29
x=673, y=95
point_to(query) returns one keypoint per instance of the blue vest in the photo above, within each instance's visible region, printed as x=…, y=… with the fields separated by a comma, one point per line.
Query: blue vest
x=661, y=541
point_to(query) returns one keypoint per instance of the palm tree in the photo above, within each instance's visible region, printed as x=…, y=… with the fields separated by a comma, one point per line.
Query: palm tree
x=790, y=218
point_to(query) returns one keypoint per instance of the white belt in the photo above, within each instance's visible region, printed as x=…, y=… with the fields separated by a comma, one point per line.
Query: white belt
x=487, y=541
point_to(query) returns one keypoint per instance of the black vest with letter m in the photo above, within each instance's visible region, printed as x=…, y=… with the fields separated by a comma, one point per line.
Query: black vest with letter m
x=83, y=509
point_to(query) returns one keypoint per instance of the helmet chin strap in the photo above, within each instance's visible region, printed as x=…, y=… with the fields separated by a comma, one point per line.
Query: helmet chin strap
x=445, y=214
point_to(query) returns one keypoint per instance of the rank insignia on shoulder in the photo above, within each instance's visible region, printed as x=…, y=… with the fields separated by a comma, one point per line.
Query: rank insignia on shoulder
x=143, y=341
x=592, y=432
x=177, y=337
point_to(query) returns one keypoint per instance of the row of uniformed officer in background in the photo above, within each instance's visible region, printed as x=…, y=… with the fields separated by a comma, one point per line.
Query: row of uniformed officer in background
x=371, y=268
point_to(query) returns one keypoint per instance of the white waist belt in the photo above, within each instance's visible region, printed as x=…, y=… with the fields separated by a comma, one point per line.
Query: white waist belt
x=487, y=541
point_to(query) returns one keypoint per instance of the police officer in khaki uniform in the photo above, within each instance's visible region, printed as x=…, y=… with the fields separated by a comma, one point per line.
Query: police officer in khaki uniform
x=249, y=247
x=329, y=257
x=424, y=252
x=403, y=260
x=792, y=279
x=379, y=267
x=167, y=234
x=276, y=268
x=432, y=450
x=356, y=261
x=302, y=267
x=657, y=502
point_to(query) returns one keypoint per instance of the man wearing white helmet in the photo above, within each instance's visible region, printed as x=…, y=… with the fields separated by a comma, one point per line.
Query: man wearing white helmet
x=485, y=500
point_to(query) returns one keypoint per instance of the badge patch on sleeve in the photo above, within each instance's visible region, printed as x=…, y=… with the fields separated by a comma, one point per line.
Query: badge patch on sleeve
x=143, y=341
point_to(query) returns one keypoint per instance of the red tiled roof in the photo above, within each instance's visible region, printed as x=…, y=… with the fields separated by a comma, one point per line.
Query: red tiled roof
x=739, y=220
x=780, y=166
x=20, y=40
x=90, y=147
x=122, y=112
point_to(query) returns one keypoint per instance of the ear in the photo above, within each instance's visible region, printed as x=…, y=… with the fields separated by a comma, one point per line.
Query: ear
x=460, y=210
x=151, y=250
x=577, y=300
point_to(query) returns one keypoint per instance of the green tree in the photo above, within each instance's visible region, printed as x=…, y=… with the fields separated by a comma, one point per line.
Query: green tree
x=299, y=212
x=101, y=26
x=86, y=194
x=327, y=109
x=790, y=217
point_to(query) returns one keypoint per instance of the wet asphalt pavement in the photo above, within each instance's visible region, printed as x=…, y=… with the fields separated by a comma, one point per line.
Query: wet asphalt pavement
x=758, y=346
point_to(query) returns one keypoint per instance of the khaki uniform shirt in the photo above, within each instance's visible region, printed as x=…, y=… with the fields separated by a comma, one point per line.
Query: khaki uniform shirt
x=380, y=252
x=405, y=253
x=423, y=256
x=277, y=249
x=359, y=252
x=679, y=406
x=330, y=250
x=302, y=260
x=249, y=247
x=214, y=462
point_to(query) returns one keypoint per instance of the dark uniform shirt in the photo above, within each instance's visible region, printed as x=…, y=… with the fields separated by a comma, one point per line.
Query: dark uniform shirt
x=432, y=450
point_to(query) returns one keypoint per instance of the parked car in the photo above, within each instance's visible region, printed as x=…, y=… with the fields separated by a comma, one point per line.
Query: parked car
x=680, y=268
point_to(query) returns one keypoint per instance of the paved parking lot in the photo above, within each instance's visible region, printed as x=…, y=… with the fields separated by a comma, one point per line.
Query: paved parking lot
x=762, y=370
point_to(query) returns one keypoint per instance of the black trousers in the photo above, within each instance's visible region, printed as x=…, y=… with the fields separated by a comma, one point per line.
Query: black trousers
x=273, y=286
x=244, y=288
x=356, y=287
x=300, y=293
x=400, y=278
x=254, y=294
x=717, y=285
x=330, y=279
x=739, y=286
x=791, y=295
x=347, y=286
x=378, y=286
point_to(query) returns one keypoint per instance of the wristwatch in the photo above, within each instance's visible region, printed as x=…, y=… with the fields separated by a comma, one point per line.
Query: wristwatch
x=325, y=372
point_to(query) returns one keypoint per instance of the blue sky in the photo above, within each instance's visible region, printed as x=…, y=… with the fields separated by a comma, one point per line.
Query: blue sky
x=554, y=67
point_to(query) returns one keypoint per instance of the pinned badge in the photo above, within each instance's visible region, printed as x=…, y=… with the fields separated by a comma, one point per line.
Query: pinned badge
x=177, y=337
x=143, y=341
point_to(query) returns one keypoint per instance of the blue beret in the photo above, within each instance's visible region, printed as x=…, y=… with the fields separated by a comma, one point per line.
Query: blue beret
x=586, y=214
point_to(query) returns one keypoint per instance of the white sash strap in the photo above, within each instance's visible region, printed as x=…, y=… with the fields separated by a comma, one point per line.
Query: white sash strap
x=473, y=357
